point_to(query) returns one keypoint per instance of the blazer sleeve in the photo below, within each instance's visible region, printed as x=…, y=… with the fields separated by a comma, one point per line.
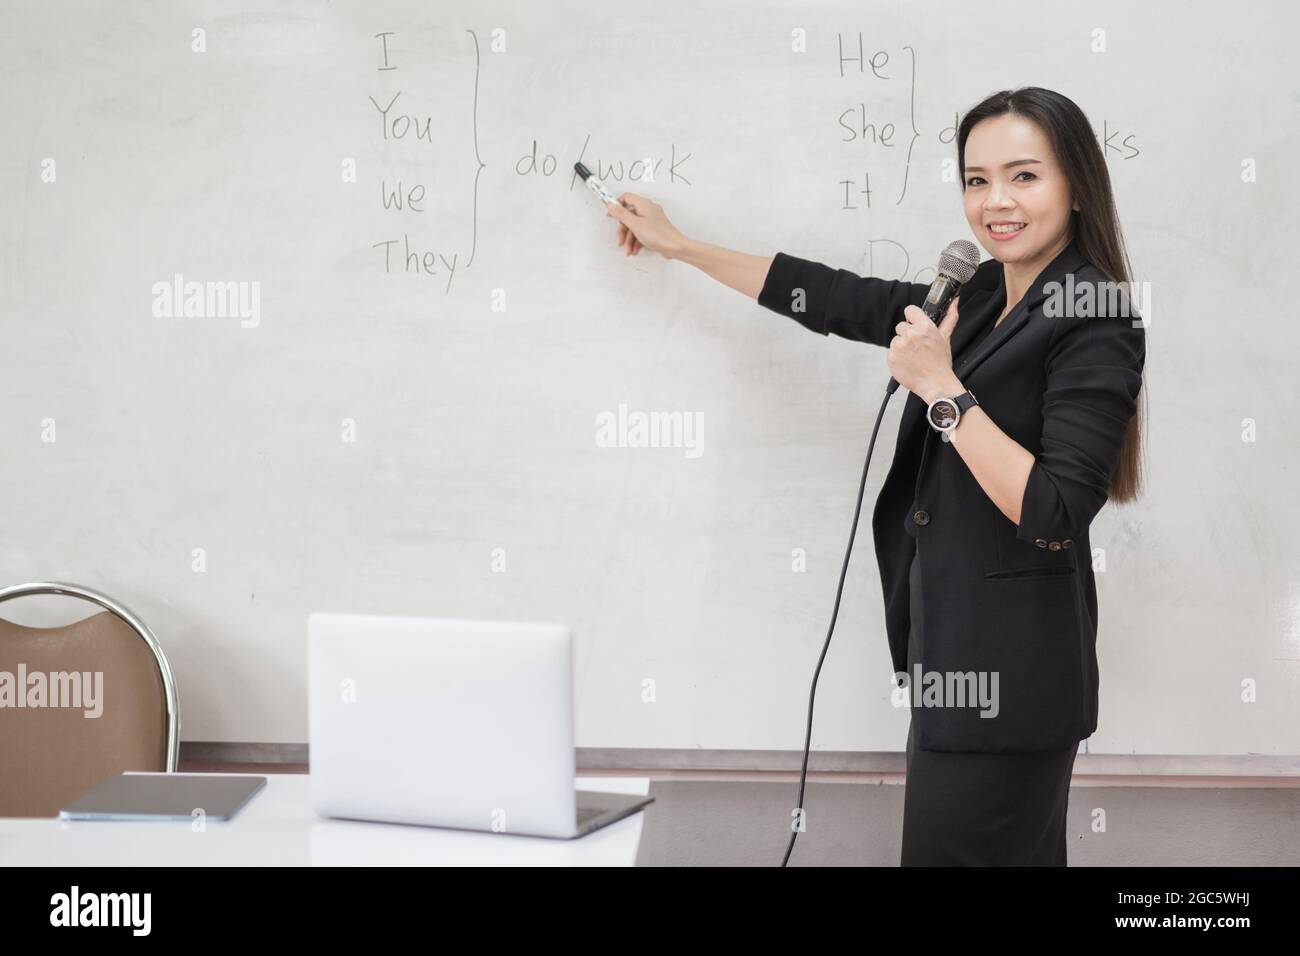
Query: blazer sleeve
x=825, y=300
x=1094, y=374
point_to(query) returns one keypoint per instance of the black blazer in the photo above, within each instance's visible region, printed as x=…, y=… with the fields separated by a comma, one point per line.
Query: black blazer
x=1016, y=600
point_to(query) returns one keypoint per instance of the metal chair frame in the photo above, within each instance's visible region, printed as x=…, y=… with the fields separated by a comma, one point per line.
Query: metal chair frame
x=136, y=624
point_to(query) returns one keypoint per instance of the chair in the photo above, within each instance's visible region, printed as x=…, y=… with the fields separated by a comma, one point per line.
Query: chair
x=50, y=755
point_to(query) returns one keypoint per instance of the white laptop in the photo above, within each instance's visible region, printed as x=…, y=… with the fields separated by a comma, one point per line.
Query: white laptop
x=448, y=723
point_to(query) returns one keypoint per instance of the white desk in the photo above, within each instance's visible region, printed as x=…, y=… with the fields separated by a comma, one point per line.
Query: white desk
x=278, y=828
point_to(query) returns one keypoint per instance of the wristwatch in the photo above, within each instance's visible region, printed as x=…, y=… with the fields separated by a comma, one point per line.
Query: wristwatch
x=943, y=414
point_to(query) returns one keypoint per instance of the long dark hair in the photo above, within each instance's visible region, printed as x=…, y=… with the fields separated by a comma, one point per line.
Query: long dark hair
x=1094, y=226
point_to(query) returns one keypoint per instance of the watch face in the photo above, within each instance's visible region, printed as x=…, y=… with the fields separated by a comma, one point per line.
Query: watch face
x=943, y=413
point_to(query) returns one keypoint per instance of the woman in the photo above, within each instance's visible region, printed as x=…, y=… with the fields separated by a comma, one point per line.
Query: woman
x=981, y=528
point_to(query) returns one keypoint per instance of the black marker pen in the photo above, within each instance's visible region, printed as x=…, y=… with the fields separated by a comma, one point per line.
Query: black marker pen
x=595, y=185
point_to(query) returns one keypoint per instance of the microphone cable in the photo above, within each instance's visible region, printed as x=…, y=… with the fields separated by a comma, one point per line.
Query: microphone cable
x=957, y=265
x=835, y=612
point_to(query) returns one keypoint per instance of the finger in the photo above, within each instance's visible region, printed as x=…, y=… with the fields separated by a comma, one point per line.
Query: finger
x=950, y=320
x=901, y=327
x=914, y=315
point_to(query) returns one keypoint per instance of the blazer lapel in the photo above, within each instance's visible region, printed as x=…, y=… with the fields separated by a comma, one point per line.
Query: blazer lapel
x=1068, y=260
x=977, y=312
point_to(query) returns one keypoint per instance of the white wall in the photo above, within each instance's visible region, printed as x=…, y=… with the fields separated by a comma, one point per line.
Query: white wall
x=475, y=429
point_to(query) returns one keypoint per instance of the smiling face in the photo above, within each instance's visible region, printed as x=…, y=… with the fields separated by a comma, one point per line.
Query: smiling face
x=1012, y=177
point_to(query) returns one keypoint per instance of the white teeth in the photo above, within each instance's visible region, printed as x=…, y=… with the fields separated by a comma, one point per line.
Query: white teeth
x=1013, y=228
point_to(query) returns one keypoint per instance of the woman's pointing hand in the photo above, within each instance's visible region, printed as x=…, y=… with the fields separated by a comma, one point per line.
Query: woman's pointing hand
x=642, y=223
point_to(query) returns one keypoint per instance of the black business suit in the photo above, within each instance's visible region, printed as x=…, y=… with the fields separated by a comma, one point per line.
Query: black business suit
x=1016, y=600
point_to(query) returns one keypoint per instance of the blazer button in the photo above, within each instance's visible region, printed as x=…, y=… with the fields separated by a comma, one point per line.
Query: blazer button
x=1053, y=546
x=921, y=517
x=1068, y=543
x=1041, y=542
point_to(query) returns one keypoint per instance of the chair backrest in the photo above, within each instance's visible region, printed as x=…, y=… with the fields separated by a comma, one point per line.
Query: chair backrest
x=80, y=703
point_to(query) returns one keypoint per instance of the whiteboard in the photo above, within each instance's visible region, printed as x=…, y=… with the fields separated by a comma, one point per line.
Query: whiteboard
x=398, y=410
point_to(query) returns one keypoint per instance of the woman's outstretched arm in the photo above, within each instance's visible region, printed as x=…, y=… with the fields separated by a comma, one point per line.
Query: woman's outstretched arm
x=739, y=270
x=642, y=224
x=820, y=298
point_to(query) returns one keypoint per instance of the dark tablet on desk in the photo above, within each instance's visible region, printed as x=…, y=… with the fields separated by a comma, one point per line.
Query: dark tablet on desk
x=164, y=796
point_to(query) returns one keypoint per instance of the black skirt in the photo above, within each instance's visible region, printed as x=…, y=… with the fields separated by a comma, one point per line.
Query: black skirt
x=982, y=809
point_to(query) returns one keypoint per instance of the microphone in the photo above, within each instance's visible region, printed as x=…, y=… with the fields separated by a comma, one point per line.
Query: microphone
x=957, y=264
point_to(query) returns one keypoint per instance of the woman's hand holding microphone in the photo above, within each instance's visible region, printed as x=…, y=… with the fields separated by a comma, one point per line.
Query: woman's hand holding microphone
x=920, y=354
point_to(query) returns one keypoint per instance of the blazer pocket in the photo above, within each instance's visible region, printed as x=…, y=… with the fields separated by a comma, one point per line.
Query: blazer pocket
x=1021, y=574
